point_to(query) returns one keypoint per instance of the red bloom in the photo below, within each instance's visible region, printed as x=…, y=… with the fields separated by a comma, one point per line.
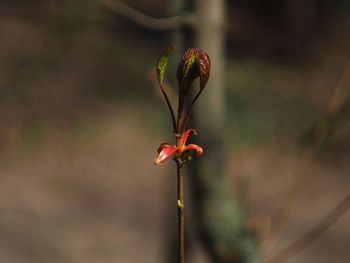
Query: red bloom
x=165, y=150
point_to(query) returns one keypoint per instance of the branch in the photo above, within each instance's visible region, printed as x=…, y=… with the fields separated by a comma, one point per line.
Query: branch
x=159, y=24
x=330, y=219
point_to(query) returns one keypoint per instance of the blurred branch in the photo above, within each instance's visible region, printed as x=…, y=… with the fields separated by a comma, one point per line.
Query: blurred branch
x=322, y=132
x=159, y=24
x=330, y=219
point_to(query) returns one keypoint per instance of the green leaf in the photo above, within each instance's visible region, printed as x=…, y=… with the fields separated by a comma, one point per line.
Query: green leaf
x=162, y=63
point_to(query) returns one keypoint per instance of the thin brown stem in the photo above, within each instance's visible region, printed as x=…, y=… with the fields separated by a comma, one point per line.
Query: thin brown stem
x=169, y=106
x=179, y=124
x=180, y=191
x=181, y=212
x=190, y=108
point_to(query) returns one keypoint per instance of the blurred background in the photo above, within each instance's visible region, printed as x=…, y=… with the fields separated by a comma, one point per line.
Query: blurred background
x=81, y=119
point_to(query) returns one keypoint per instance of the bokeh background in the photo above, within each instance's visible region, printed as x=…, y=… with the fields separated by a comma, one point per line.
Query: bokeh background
x=81, y=119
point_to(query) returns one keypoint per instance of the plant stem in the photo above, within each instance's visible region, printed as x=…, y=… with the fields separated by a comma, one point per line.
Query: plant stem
x=180, y=107
x=181, y=212
x=169, y=106
x=190, y=108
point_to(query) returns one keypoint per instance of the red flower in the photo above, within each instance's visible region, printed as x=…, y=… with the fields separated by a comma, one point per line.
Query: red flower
x=165, y=150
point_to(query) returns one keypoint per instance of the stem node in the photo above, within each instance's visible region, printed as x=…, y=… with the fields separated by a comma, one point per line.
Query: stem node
x=180, y=204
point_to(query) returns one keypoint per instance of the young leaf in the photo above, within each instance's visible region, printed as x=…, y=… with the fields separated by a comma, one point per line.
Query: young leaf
x=195, y=63
x=187, y=71
x=162, y=63
x=204, y=67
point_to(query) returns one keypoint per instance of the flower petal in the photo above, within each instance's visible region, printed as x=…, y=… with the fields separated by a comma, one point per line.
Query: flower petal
x=194, y=147
x=185, y=136
x=165, y=151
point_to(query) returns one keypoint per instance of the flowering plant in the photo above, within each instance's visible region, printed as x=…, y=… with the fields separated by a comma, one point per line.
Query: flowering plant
x=195, y=63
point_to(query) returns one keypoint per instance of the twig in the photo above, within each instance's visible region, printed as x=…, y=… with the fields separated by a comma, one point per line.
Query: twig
x=159, y=24
x=181, y=212
x=329, y=220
